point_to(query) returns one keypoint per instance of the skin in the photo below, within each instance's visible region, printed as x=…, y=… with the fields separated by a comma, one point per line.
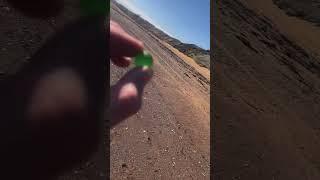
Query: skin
x=52, y=107
x=126, y=95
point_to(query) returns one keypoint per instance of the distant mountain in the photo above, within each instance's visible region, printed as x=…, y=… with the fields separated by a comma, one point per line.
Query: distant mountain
x=201, y=56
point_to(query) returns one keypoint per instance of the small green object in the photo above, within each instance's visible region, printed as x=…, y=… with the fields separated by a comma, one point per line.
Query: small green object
x=143, y=59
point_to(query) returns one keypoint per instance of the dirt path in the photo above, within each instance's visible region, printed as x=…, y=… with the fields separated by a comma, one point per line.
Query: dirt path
x=169, y=137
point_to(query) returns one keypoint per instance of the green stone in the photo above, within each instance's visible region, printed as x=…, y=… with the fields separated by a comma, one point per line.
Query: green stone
x=143, y=59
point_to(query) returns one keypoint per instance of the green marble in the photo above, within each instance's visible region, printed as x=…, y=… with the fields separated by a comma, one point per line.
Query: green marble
x=143, y=59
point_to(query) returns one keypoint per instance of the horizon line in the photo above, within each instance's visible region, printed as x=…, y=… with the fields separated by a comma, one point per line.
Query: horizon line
x=135, y=10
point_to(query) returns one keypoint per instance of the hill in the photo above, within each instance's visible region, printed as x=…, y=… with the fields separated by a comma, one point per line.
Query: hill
x=201, y=56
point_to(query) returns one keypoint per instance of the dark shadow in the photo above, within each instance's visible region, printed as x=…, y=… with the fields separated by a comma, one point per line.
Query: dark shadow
x=38, y=8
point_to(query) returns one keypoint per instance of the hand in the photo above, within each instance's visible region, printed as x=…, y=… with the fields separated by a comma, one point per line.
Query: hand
x=60, y=128
x=126, y=95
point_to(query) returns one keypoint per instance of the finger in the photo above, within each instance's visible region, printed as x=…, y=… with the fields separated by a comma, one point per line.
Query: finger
x=117, y=26
x=122, y=61
x=126, y=95
x=122, y=44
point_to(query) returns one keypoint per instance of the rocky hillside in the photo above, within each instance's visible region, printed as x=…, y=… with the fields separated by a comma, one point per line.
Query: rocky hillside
x=201, y=56
x=308, y=9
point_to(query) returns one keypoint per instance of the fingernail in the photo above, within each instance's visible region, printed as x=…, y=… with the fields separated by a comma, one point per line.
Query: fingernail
x=128, y=59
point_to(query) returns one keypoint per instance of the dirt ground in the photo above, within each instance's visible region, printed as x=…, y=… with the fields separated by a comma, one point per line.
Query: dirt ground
x=169, y=137
x=307, y=10
x=266, y=93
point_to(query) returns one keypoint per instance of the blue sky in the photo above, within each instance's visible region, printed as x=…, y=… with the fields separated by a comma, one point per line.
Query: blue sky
x=186, y=20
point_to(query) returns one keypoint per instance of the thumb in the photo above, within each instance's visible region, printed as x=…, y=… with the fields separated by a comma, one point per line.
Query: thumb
x=126, y=95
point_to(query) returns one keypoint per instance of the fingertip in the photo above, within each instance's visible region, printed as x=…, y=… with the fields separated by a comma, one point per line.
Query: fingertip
x=136, y=45
x=140, y=45
x=128, y=92
x=148, y=73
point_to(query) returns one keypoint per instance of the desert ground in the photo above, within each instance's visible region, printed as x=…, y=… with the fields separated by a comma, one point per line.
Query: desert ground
x=169, y=137
x=266, y=93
